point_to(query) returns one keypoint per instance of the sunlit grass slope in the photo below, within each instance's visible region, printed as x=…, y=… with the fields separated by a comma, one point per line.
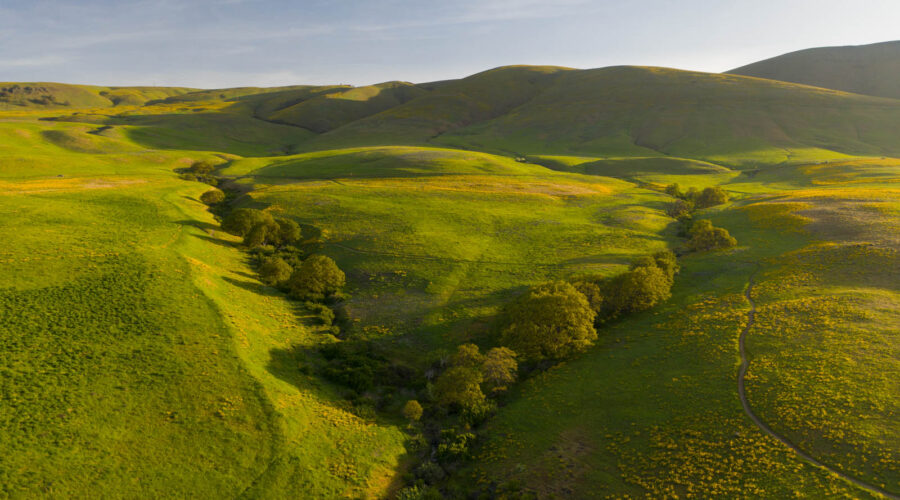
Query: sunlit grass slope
x=435, y=240
x=654, y=410
x=142, y=362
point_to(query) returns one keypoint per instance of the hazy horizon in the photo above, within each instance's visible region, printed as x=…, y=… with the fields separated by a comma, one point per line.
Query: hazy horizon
x=216, y=44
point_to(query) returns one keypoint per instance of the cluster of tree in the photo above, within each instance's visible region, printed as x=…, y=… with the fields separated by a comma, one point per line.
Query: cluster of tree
x=201, y=171
x=556, y=320
x=702, y=235
x=471, y=374
x=695, y=198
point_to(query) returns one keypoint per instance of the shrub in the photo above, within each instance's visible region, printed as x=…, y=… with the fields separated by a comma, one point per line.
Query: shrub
x=240, y=221
x=261, y=234
x=317, y=278
x=637, y=290
x=212, y=197
x=711, y=197
x=430, y=472
x=499, y=369
x=323, y=313
x=454, y=445
x=274, y=271
x=705, y=237
x=549, y=321
x=459, y=386
x=412, y=410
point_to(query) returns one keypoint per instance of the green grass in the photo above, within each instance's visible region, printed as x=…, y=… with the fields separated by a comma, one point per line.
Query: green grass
x=147, y=360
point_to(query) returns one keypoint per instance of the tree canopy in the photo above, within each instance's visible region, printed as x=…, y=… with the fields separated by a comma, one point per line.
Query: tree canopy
x=549, y=321
x=317, y=278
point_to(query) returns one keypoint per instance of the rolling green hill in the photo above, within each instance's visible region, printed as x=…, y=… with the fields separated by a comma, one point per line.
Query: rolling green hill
x=863, y=69
x=146, y=358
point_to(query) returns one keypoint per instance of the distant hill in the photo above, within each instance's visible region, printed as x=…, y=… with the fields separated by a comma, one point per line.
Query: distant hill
x=864, y=69
x=630, y=111
x=45, y=95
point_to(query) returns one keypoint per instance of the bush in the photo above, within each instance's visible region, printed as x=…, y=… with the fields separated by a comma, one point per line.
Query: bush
x=667, y=262
x=454, y=445
x=549, y=321
x=705, y=237
x=430, y=472
x=212, y=197
x=274, y=271
x=412, y=410
x=674, y=190
x=317, y=278
x=711, y=197
x=323, y=313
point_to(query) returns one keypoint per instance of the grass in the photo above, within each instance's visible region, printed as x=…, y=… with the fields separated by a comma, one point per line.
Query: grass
x=147, y=360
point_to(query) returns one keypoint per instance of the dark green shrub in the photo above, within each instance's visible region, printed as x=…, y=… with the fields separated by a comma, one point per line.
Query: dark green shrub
x=454, y=445
x=202, y=167
x=460, y=387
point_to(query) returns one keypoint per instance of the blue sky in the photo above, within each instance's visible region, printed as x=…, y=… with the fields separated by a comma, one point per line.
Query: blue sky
x=224, y=43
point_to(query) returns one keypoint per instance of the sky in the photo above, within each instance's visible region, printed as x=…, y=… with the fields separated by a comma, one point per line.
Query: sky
x=228, y=43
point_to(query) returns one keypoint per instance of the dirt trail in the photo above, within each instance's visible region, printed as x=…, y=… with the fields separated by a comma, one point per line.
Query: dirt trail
x=745, y=365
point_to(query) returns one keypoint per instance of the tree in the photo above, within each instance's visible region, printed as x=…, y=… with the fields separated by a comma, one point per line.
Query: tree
x=261, y=234
x=705, y=237
x=637, y=290
x=240, y=221
x=274, y=271
x=668, y=262
x=460, y=386
x=711, y=197
x=592, y=293
x=288, y=231
x=549, y=321
x=212, y=197
x=202, y=167
x=679, y=208
x=467, y=355
x=674, y=190
x=499, y=369
x=317, y=278
x=412, y=410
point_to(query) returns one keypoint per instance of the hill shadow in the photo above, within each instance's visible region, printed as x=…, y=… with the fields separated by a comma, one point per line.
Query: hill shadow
x=221, y=243
x=251, y=286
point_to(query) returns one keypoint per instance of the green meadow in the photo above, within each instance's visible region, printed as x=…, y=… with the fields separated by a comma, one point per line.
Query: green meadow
x=143, y=357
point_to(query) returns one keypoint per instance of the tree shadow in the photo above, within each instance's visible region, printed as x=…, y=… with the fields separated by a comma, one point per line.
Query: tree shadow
x=198, y=224
x=254, y=287
x=221, y=243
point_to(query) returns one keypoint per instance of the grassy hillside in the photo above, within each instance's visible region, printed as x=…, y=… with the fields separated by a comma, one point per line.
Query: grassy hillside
x=631, y=111
x=146, y=359
x=864, y=69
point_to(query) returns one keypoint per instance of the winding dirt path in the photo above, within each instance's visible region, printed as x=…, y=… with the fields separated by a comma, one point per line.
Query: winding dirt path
x=745, y=365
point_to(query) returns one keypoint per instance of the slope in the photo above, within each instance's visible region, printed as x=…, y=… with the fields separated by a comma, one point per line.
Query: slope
x=863, y=69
